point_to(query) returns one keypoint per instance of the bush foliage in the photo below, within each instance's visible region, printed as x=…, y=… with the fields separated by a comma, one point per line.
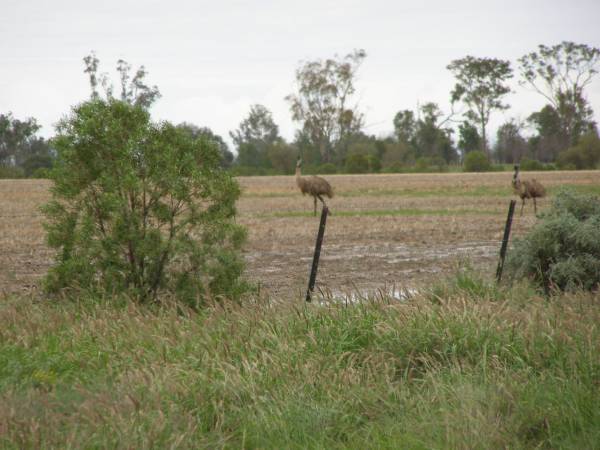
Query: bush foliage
x=585, y=155
x=562, y=252
x=477, y=162
x=140, y=208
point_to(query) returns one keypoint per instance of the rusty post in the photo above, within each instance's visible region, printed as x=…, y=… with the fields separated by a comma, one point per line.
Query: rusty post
x=511, y=211
x=315, y=263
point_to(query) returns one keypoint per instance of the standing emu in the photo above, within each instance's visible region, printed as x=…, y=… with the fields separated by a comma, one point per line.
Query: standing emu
x=527, y=189
x=315, y=186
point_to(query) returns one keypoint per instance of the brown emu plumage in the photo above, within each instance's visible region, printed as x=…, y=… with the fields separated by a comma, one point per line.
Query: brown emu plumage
x=527, y=189
x=317, y=187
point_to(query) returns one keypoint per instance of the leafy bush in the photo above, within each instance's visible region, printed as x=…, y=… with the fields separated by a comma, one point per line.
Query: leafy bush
x=585, y=155
x=477, y=162
x=327, y=168
x=394, y=167
x=356, y=163
x=140, y=209
x=563, y=250
x=11, y=172
x=431, y=164
x=531, y=165
x=36, y=162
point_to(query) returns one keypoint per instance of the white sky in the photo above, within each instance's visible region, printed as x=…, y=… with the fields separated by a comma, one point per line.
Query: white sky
x=212, y=60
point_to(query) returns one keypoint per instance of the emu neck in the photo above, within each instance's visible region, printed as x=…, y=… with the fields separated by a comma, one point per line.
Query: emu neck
x=298, y=175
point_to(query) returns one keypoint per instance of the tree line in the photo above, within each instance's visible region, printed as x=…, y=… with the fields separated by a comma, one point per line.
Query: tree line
x=331, y=135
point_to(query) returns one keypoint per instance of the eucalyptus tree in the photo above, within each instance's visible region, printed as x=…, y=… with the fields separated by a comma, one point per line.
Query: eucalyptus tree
x=560, y=74
x=481, y=84
x=323, y=101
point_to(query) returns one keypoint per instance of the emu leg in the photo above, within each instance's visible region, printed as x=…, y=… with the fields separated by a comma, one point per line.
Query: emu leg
x=534, y=206
x=315, y=198
x=322, y=201
x=522, y=206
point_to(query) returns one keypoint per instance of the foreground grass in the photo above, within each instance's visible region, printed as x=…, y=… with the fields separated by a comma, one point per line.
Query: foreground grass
x=467, y=365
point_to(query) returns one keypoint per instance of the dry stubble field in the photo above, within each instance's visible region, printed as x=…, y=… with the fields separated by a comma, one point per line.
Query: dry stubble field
x=385, y=232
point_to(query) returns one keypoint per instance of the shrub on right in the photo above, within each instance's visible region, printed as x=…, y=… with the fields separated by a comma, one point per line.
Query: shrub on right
x=562, y=251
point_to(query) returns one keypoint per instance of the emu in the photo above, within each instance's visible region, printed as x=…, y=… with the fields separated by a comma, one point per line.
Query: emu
x=315, y=186
x=527, y=189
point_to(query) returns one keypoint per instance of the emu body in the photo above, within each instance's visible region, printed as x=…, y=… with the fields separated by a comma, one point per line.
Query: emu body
x=314, y=186
x=527, y=189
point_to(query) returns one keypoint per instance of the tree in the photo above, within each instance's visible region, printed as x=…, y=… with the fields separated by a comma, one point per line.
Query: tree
x=140, y=209
x=322, y=103
x=134, y=90
x=18, y=140
x=584, y=155
x=481, y=86
x=548, y=143
x=510, y=146
x=469, y=139
x=197, y=132
x=560, y=74
x=255, y=136
x=405, y=126
x=431, y=139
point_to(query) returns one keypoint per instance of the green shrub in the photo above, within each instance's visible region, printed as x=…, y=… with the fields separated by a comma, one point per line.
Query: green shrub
x=36, y=162
x=477, y=162
x=374, y=163
x=11, y=172
x=140, y=209
x=356, y=163
x=562, y=252
x=585, y=155
x=395, y=167
x=531, y=165
x=327, y=168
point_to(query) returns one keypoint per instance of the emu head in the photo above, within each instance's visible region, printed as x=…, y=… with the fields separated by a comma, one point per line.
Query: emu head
x=299, y=162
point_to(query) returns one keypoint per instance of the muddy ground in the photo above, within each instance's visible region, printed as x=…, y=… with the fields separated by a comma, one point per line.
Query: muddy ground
x=385, y=231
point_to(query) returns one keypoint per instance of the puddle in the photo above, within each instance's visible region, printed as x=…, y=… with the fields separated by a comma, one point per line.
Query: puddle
x=358, y=296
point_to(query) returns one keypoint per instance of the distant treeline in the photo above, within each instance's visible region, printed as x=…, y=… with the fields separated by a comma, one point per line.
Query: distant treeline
x=331, y=137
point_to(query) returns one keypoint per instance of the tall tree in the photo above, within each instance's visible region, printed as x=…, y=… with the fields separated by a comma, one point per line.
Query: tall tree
x=323, y=101
x=510, y=145
x=560, y=74
x=18, y=140
x=431, y=138
x=468, y=138
x=405, y=126
x=134, y=89
x=196, y=132
x=549, y=140
x=255, y=135
x=481, y=84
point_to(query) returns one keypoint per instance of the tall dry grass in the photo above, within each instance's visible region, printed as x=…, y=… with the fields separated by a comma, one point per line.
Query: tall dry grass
x=466, y=365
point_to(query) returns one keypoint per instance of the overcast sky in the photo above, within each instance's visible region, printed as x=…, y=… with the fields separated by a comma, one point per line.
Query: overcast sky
x=213, y=60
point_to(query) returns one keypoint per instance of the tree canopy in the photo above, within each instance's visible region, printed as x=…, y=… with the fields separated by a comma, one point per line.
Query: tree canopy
x=322, y=104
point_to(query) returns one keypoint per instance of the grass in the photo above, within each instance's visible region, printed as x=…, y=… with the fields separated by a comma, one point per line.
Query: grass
x=465, y=365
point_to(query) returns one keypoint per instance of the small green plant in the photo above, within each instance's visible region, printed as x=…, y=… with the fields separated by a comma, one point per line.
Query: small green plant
x=477, y=162
x=562, y=252
x=140, y=209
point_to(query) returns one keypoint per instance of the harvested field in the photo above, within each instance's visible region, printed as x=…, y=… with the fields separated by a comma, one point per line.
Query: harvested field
x=385, y=230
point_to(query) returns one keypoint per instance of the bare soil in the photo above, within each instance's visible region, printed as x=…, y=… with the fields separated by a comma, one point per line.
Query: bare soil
x=385, y=231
